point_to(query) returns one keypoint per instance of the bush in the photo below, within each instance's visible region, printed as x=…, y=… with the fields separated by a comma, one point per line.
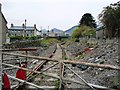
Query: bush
x=33, y=37
x=76, y=33
x=83, y=31
x=89, y=32
x=17, y=38
x=14, y=38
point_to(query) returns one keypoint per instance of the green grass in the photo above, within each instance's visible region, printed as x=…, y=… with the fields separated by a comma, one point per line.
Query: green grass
x=48, y=41
x=57, y=82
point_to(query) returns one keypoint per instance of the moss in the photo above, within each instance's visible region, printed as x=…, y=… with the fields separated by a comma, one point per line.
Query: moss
x=65, y=58
x=57, y=82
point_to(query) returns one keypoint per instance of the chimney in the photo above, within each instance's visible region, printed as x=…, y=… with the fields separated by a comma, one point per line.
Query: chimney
x=0, y=7
x=35, y=26
x=11, y=25
x=23, y=25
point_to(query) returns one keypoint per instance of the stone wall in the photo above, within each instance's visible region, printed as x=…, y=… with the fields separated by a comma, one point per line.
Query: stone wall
x=3, y=30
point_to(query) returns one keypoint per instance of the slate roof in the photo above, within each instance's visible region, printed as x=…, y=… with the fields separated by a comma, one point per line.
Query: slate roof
x=21, y=28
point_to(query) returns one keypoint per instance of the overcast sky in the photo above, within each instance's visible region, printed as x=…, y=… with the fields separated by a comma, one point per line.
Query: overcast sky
x=61, y=14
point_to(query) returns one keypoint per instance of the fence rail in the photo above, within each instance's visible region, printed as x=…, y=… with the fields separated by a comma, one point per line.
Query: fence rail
x=105, y=66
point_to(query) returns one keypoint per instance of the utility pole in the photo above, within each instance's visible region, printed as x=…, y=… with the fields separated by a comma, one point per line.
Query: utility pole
x=48, y=31
x=41, y=31
x=25, y=28
x=25, y=23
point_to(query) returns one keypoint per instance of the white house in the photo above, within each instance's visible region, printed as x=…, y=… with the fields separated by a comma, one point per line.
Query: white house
x=22, y=30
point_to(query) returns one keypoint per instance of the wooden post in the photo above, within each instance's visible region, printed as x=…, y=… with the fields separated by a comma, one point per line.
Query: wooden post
x=69, y=61
x=26, y=58
x=60, y=84
x=0, y=70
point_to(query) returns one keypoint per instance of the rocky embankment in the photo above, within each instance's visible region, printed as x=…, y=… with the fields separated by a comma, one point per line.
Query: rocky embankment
x=102, y=51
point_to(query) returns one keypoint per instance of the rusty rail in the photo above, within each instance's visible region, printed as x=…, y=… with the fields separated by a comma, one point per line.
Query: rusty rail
x=40, y=66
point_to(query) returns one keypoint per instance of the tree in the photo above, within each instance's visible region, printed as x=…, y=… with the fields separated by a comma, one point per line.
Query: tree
x=110, y=18
x=87, y=19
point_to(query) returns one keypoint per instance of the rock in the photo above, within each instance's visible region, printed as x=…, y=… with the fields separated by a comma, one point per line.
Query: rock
x=82, y=67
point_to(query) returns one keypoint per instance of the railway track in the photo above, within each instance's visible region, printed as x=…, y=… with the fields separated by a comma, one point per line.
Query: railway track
x=61, y=69
x=40, y=65
x=51, y=67
x=32, y=75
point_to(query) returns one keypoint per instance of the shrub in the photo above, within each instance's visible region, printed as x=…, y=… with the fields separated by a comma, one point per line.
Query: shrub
x=33, y=37
x=83, y=31
x=89, y=32
x=76, y=33
x=13, y=38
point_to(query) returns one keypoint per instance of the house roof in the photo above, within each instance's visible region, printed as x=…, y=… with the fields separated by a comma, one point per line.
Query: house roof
x=21, y=28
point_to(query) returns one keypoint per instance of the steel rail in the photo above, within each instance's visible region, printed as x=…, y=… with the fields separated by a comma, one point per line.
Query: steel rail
x=40, y=65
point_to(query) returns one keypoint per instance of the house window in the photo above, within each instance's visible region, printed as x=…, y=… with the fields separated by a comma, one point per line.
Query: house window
x=27, y=34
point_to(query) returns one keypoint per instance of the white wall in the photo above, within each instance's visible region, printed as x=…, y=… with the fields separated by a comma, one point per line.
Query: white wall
x=99, y=34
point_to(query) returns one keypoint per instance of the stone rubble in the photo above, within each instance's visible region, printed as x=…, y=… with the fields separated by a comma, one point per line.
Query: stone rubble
x=103, y=52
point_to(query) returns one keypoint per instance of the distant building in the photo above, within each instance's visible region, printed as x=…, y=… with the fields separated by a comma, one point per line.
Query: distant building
x=3, y=28
x=22, y=30
x=52, y=33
